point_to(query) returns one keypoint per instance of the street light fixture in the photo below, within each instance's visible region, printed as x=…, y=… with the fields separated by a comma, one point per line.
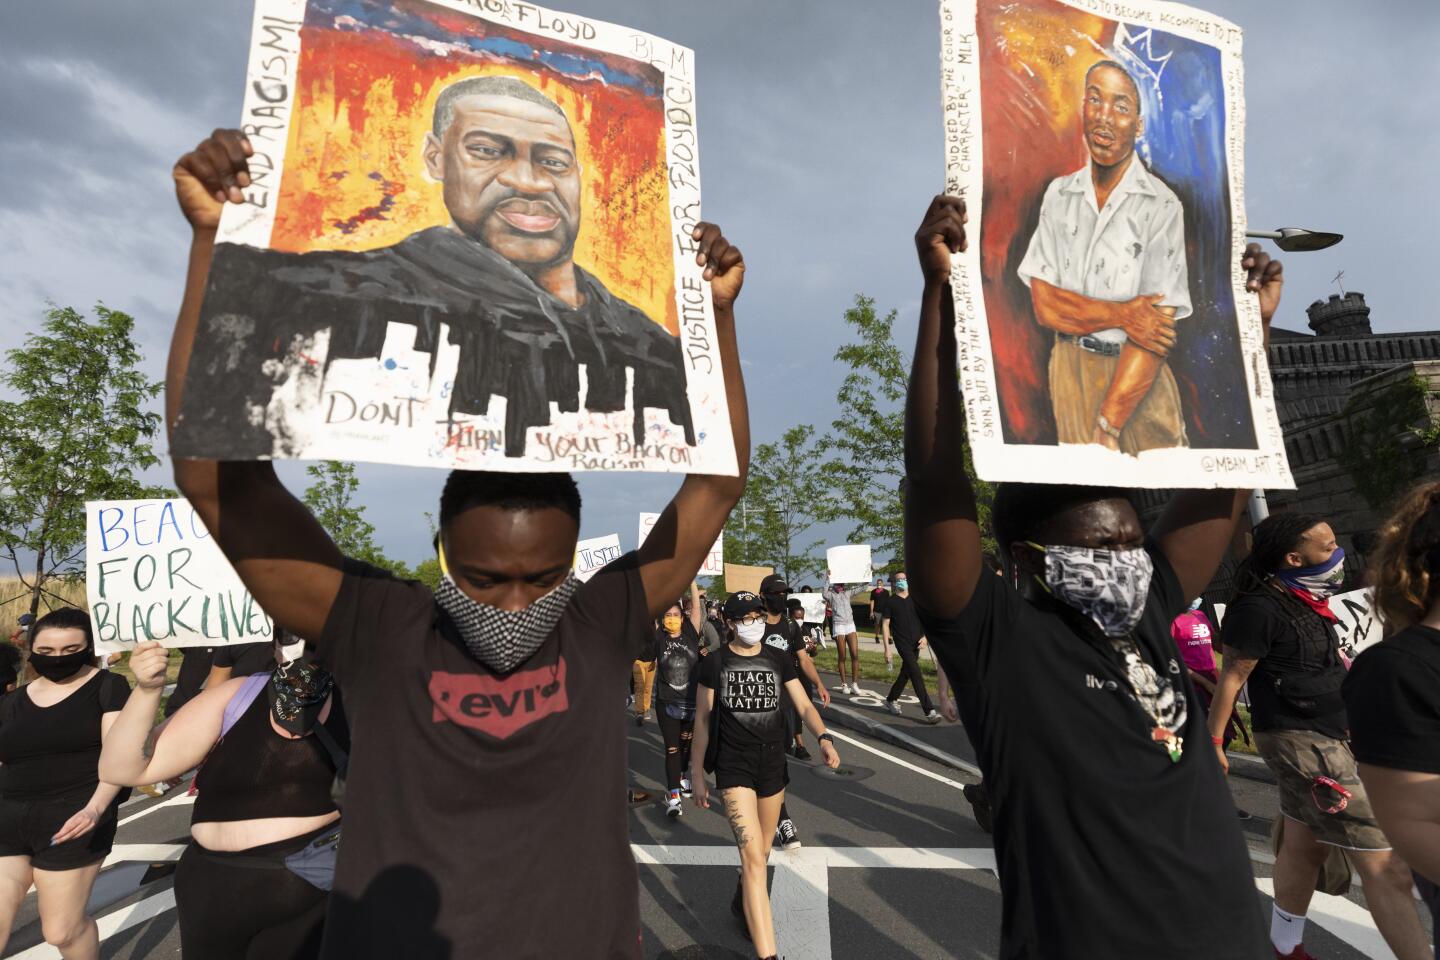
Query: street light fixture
x=1297, y=239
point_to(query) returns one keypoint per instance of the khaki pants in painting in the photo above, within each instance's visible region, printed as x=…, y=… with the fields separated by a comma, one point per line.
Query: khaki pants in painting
x=1079, y=380
x=643, y=673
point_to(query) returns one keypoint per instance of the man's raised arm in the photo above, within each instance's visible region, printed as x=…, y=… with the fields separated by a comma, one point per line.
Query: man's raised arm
x=285, y=558
x=1195, y=529
x=682, y=537
x=942, y=531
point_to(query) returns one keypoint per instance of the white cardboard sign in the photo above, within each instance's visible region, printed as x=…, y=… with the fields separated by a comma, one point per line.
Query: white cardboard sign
x=814, y=604
x=153, y=572
x=849, y=564
x=592, y=554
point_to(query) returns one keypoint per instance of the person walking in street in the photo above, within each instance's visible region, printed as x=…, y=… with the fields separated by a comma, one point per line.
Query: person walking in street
x=847, y=641
x=879, y=620
x=674, y=655
x=1140, y=846
x=57, y=816
x=1279, y=635
x=1193, y=637
x=782, y=633
x=1392, y=693
x=741, y=729
x=909, y=641
x=254, y=880
x=483, y=710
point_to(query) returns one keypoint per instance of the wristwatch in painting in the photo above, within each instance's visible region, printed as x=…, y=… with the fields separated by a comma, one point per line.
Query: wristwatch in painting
x=1104, y=424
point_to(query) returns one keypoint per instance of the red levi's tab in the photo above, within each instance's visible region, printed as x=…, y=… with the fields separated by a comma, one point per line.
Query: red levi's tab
x=499, y=707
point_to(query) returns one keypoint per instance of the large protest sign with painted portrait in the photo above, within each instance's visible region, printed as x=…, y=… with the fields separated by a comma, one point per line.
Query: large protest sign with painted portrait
x=467, y=244
x=1104, y=331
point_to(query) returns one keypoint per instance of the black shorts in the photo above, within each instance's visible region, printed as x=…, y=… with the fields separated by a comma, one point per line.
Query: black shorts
x=761, y=768
x=26, y=827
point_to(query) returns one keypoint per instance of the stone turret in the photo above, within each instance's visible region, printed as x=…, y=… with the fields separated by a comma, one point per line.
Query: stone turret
x=1346, y=316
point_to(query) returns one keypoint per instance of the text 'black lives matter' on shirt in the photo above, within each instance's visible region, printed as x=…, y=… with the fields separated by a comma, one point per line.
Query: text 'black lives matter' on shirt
x=676, y=662
x=751, y=702
x=1392, y=696
x=476, y=802
x=1105, y=847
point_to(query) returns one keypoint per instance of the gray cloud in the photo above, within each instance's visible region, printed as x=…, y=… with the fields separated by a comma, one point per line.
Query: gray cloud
x=820, y=137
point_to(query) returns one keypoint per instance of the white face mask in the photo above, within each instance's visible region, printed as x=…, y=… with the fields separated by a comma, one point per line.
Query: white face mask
x=750, y=633
x=290, y=652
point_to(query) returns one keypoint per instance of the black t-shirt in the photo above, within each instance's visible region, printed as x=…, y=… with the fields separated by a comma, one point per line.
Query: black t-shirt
x=1393, y=698
x=751, y=704
x=478, y=805
x=675, y=661
x=1105, y=847
x=54, y=752
x=1298, y=652
x=881, y=598
x=904, y=622
x=244, y=659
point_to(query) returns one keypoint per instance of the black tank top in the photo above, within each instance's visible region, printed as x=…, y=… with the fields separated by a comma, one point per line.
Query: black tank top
x=255, y=773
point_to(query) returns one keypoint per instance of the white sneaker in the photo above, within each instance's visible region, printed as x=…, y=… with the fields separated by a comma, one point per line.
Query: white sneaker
x=932, y=717
x=672, y=805
x=893, y=707
x=845, y=689
x=685, y=790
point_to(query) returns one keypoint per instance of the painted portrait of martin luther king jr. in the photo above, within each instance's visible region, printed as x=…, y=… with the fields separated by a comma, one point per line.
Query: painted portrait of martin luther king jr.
x=495, y=286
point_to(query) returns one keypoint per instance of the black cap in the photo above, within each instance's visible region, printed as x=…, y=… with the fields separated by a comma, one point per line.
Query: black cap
x=774, y=584
x=742, y=604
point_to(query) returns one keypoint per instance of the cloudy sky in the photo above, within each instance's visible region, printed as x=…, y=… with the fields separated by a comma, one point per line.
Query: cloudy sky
x=821, y=146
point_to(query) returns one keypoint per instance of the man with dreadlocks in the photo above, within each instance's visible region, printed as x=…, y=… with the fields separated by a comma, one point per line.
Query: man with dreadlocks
x=1279, y=634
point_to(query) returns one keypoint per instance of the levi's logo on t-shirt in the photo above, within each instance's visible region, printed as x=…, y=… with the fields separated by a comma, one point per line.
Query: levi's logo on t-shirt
x=499, y=707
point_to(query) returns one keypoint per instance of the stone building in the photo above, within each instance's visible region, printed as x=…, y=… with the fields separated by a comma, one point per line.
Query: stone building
x=1356, y=407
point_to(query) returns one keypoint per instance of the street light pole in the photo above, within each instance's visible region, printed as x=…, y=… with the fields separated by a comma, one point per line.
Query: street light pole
x=1291, y=240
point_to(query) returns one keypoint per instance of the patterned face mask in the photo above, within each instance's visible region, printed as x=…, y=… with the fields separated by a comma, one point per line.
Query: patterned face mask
x=1321, y=580
x=1108, y=586
x=502, y=639
x=297, y=692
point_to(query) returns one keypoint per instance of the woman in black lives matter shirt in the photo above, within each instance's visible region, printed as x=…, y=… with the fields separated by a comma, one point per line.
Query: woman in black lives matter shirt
x=1392, y=693
x=676, y=651
x=57, y=819
x=741, y=729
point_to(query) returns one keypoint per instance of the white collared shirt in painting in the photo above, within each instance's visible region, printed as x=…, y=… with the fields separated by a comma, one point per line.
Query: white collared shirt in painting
x=1133, y=247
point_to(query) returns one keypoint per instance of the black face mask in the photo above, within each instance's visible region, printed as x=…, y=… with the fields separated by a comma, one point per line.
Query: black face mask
x=776, y=602
x=297, y=692
x=61, y=667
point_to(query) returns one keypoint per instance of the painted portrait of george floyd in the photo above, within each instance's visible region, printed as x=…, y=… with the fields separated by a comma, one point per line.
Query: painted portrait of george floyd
x=1103, y=325
x=467, y=245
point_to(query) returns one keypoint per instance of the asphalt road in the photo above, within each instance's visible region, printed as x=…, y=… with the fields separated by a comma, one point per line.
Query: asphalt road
x=893, y=865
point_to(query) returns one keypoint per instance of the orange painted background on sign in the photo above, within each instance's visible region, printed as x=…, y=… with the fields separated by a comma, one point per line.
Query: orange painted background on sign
x=355, y=174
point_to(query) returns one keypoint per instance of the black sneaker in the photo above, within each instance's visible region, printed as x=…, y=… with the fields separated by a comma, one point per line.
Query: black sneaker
x=639, y=719
x=801, y=753
x=786, y=836
x=980, y=803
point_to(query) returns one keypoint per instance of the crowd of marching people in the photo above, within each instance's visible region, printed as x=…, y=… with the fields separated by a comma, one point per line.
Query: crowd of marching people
x=361, y=785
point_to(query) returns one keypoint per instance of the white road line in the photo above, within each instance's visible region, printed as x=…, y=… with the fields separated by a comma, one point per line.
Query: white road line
x=800, y=907
x=1348, y=921
x=894, y=759
x=184, y=798
x=113, y=923
x=152, y=852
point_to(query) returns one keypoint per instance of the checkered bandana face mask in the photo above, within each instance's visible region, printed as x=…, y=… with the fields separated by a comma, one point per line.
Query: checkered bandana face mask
x=504, y=639
x=1108, y=586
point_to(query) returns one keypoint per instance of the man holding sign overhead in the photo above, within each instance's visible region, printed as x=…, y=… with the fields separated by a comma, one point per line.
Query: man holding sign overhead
x=483, y=712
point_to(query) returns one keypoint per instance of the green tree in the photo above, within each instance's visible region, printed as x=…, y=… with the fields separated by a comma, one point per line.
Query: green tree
x=78, y=431
x=785, y=495
x=331, y=498
x=869, y=437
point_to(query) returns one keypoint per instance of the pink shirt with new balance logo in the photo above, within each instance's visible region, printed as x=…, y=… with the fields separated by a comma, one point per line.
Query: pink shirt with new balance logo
x=1192, y=634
